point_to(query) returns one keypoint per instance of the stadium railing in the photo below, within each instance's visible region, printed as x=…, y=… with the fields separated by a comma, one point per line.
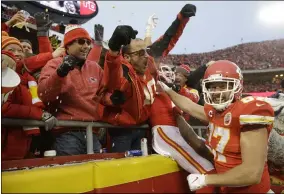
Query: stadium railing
x=9, y=122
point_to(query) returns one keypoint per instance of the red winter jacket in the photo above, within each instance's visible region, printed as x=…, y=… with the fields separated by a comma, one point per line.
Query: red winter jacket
x=15, y=142
x=37, y=62
x=71, y=97
x=138, y=90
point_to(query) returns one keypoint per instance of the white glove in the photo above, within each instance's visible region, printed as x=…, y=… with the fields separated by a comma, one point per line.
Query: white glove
x=151, y=24
x=163, y=86
x=50, y=121
x=196, y=181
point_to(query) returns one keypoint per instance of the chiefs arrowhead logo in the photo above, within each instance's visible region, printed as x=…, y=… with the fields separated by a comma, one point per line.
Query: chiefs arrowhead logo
x=93, y=80
x=228, y=118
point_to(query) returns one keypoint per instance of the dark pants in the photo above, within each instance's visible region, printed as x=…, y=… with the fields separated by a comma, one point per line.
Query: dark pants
x=74, y=143
x=41, y=143
x=123, y=140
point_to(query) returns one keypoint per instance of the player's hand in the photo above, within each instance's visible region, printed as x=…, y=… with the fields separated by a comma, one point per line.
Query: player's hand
x=68, y=64
x=162, y=87
x=188, y=10
x=196, y=181
x=122, y=35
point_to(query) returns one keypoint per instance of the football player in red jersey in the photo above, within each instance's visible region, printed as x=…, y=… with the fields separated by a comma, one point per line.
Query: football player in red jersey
x=239, y=130
x=167, y=138
x=178, y=80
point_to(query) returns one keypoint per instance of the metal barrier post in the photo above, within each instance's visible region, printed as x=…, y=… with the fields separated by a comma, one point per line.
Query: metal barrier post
x=89, y=139
x=199, y=132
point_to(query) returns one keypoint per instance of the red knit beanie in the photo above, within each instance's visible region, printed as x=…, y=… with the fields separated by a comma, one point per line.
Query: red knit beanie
x=184, y=69
x=73, y=32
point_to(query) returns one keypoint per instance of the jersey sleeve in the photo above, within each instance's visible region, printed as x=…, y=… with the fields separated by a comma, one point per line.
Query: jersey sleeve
x=256, y=113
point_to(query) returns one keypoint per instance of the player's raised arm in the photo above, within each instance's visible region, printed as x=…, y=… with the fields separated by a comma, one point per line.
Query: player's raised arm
x=185, y=103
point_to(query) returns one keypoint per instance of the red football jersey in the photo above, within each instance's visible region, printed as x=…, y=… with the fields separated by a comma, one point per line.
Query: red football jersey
x=147, y=88
x=225, y=131
x=190, y=93
x=162, y=112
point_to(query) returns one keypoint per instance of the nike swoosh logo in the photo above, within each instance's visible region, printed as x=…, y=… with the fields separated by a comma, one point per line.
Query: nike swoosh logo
x=194, y=180
x=259, y=104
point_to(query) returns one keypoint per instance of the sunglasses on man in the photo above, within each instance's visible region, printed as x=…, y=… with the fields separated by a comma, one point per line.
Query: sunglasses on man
x=140, y=53
x=82, y=41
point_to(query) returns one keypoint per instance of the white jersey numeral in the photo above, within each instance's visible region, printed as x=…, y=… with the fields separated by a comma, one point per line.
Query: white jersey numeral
x=251, y=98
x=224, y=133
x=149, y=92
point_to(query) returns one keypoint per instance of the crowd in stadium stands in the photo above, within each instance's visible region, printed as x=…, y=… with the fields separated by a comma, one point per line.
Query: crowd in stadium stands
x=265, y=86
x=257, y=55
x=46, y=71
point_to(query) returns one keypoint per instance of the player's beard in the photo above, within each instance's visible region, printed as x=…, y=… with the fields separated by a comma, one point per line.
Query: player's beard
x=216, y=98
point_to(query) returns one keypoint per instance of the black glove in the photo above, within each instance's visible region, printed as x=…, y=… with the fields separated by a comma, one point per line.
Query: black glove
x=43, y=23
x=176, y=88
x=99, y=32
x=68, y=64
x=117, y=98
x=122, y=35
x=188, y=10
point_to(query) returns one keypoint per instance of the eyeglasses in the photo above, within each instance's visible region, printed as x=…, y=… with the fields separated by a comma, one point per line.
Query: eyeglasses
x=140, y=53
x=82, y=41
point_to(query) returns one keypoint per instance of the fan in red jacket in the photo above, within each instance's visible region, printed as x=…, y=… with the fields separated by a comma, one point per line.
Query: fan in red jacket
x=69, y=84
x=24, y=103
x=130, y=78
x=33, y=63
x=181, y=74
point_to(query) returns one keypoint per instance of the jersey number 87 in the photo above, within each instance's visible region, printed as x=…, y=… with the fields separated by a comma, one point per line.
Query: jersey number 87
x=224, y=134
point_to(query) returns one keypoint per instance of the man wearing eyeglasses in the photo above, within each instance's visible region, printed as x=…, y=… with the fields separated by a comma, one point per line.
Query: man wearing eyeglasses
x=67, y=86
x=129, y=94
x=129, y=78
